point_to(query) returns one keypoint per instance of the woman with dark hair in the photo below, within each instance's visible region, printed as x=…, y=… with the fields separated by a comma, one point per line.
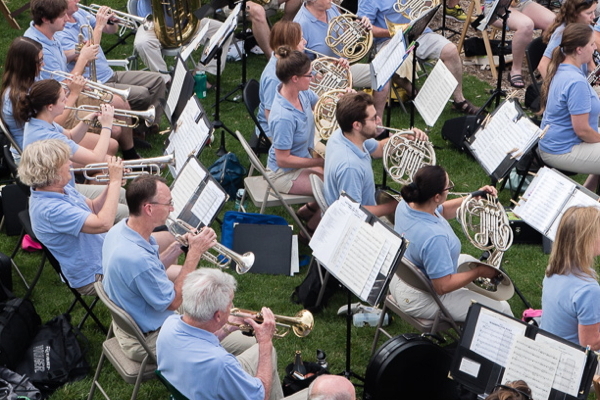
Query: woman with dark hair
x=435, y=249
x=292, y=128
x=571, y=108
x=283, y=33
x=571, y=11
x=574, y=314
x=24, y=62
x=40, y=107
x=515, y=390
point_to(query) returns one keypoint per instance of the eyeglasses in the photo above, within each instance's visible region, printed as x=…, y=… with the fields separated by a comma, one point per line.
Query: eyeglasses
x=374, y=119
x=522, y=393
x=169, y=204
x=450, y=186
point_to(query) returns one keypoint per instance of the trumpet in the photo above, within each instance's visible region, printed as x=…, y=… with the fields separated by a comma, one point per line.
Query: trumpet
x=81, y=42
x=243, y=263
x=302, y=323
x=122, y=19
x=147, y=115
x=143, y=166
x=92, y=89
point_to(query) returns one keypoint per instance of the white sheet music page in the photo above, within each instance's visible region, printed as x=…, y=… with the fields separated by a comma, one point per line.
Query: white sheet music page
x=228, y=26
x=189, y=136
x=544, y=199
x=535, y=363
x=495, y=334
x=506, y=134
x=188, y=49
x=208, y=203
x=570, y=368
x=385, y=258
x=176, y=87
x=185, y=186
x=387, y=61
x=435, y=93
x=578, y=199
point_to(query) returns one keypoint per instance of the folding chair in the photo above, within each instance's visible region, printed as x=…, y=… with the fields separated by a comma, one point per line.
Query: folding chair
x=412, y=276
x=78, y=296
x=260, y=144
x=174, y=393
x=9, y=136
x=26, y=229
x=263, y=192
x=132, y=372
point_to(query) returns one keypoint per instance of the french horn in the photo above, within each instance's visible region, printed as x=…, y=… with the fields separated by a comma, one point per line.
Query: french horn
x=403, y=157
x=329, y=75
x=412, y=9
x=347, y=37
x=485, y=223
x=324, y=113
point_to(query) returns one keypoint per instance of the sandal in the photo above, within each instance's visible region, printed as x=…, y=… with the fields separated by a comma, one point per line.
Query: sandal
x=466, y=107
x=516, y=81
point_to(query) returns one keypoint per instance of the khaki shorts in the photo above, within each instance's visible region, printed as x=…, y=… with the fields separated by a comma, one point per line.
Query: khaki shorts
x=283, y=180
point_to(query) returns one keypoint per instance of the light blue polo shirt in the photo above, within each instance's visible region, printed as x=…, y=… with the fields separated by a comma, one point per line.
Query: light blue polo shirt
x=292, y=129
x=578, y=304
x=16, y=129
x=267, y=91
x=54, y=56
x=57, y=220
x=554, y=42
x=569, y=94
x=434, y=247
x=378, y=10
x=135, y=278
x=315, y=31
x=194, y=362
x=38, y=129
x=348, y=168
x=69, y=37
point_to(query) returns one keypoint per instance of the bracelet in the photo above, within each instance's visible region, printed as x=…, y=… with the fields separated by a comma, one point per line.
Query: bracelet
x=106, y=127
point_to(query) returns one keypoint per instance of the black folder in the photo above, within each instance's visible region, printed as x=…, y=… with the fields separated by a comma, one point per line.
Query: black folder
x=271, y=245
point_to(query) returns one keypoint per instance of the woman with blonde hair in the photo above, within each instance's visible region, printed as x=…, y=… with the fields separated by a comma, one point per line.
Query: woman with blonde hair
x=571, y=293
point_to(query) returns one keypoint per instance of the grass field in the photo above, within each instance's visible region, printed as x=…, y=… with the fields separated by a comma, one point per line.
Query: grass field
x=525, y=263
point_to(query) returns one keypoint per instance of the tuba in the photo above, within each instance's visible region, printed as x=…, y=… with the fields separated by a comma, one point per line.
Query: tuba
x=174, y=21
x=486, y=225
x=324, y=113
x=403, y=157
x=347, y=37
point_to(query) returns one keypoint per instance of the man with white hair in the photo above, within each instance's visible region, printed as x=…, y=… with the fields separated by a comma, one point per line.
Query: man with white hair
x=191, y=357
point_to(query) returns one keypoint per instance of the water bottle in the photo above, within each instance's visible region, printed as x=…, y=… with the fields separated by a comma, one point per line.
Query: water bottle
x=200, y=86
x=368, y=319
x=238, y=199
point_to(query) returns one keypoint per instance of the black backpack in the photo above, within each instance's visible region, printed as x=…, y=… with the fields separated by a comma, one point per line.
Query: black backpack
x=307, y=292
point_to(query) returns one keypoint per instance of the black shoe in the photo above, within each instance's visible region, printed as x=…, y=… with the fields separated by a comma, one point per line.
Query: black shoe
x=141, y=143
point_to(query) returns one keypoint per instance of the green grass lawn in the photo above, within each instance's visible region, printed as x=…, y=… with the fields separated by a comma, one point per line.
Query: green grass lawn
x=524, y=263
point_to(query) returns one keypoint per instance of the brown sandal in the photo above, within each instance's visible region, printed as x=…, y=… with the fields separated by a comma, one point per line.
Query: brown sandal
x=465, y=107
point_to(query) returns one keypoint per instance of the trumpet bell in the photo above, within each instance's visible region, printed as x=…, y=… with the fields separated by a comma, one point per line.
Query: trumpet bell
x=305, y=323
x=499, y=288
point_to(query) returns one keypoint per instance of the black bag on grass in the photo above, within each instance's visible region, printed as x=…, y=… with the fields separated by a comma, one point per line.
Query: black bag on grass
x=17, y=387
x=55, y=356
x=292, y=385
x=307, y=292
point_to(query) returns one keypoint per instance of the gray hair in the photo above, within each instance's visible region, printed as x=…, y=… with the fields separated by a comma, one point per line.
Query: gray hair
x=41, y=161
x=206, y=291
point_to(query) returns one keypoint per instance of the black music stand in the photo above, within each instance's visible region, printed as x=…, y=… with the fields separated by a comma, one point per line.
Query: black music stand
x=207, y=55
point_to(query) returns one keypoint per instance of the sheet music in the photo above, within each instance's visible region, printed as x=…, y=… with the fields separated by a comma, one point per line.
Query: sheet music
x=578, y=199
x=544, y=199
x=570, y=368
x=224, y=30
x=535, y=363
x=176, y=87
x=387, y=61
x=188, y=49
x=495, y=335
x=190, y=134
x=185, y=186
x=208, y=202
x=435, y=93
x=507, y=133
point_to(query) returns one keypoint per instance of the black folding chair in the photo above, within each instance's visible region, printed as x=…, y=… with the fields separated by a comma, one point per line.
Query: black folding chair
x=261, y=143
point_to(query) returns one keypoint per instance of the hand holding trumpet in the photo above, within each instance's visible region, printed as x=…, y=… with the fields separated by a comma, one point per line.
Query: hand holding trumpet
x=115, y=170
x=104, y=116
x=200, y=242
x=264, y=331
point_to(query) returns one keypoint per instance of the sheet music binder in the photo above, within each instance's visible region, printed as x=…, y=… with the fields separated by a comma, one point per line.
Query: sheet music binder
x=182, y=87
x=485, y=145
x=547, y=197
x=271, y=245
x=480, y=374
x=194, y=193
x=372, y=288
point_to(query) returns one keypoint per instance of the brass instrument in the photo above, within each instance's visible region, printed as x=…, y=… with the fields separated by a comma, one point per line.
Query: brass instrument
x=142, y=166
x=324, y=113
x=243, y=263
x=329, y=75
x=347, y=37
x=174, y=21
x=81, y=42
x=486, y=225
x=412, y=9
x=94, y=90
x=148, y=116
x=403, y=157
x=302, y=323
x=122, y=19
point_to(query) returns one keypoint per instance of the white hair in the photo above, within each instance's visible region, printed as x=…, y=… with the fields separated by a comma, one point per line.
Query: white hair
x=206, y=291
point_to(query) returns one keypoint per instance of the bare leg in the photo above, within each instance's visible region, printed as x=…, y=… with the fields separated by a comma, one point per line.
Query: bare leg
x=591, y=182
x=451, y=59
x=380, y=98
x=302, y=183
x=90, y=140
x=260, y=27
